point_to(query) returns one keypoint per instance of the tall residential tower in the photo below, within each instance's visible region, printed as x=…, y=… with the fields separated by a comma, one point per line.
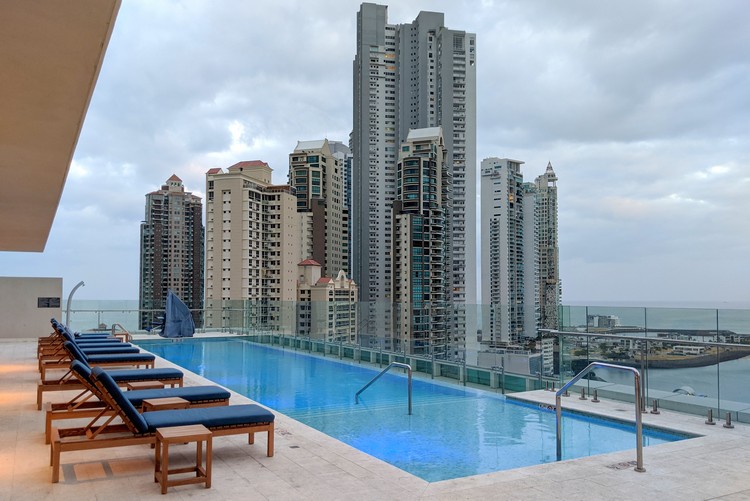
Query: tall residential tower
x=412, y=76
x=171, y=250
x=421, y=246
x=550, y=288
x=521, y=286
x=503, y=257
x=317, y=175
x=253, y=247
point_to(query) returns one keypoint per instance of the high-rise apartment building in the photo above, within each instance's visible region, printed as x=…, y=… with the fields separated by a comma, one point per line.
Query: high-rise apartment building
x=171, y=250
x=317, y=175
x=411, y=76
x=344, y=154
x=521, y=286
x=421, y=247
x=550, y=288
x=253, y=247
x=503, y=259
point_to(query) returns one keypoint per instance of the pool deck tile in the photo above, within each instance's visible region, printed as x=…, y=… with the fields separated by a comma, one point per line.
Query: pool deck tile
x=310, y=465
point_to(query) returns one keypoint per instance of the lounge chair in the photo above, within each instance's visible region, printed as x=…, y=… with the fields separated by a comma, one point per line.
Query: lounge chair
x=68, y=382
x=55, y=355
x=53, y=342
x=83, y=405
x=139, y=428
x=59, y=333
x=104, y=360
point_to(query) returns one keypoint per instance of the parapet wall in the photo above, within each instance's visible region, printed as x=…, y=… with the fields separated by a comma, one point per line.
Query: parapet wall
x=27, y=304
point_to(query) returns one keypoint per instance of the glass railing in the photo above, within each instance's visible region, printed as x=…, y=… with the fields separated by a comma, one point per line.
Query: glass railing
x=692, y=359
x=679, y=370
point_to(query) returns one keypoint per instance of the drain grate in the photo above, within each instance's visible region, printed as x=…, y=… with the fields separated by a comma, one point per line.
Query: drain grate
x=623, y=465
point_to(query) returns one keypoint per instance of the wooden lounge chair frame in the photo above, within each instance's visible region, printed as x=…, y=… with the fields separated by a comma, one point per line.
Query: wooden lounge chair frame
x=109, y=434
x=89, y=404
x=71, y=349
x=69, y=383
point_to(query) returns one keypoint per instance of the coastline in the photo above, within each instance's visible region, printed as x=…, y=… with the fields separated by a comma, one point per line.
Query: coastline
x=684, y=363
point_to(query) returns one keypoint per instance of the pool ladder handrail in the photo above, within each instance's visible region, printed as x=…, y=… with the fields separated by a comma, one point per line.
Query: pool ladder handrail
x=123, y=332
x=392, y=364
x=638, y=421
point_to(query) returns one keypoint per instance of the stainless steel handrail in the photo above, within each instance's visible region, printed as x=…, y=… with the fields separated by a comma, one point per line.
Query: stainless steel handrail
x=638, y=422
x=122, y=330
x=392, y=364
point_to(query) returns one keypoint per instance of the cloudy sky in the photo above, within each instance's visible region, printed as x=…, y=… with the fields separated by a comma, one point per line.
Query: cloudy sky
x=643, y=108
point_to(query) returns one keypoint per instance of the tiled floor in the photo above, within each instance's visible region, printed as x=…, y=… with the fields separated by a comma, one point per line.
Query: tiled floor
x=310, y=465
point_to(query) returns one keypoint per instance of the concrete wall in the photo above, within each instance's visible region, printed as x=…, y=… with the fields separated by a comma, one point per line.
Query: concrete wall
x=23, y=306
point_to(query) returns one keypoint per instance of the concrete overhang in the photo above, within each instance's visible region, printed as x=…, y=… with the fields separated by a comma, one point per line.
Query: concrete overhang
x=51, y=52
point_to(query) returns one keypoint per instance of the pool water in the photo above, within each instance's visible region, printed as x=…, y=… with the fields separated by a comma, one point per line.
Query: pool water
x=453, y=431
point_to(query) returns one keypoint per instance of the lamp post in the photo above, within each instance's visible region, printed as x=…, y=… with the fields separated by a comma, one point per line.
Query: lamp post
x=70, y=297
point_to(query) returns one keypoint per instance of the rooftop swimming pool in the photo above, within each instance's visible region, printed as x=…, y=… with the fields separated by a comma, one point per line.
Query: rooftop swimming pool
x=453, y=431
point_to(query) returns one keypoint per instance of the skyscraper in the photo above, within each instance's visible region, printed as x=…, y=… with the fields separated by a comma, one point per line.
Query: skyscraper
x=421, y=257
x=411, y=76
x=253, y=247
x=317, y=176
x=521, y=286
x=344, y=154
x=550, y=288
x=171, y=250
x=503, y=257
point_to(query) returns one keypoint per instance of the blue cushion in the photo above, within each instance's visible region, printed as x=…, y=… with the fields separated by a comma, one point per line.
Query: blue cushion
x=82, y=370
x=103, y=341
x=114, y=391
x=210, y=417
x=103, y=350
x=130, y=375
x=189, y=393
x=75, y=352
x=120, y=357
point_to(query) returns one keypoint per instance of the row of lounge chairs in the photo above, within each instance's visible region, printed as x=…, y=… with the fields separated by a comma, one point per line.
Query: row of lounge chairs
x=54, y=354
x=116, y=417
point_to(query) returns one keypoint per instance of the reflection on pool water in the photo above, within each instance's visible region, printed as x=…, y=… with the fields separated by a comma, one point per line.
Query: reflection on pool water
x=453, y=431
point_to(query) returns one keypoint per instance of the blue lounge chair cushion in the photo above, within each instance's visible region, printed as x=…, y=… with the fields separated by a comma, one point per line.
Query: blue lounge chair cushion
x=68, y=337
x=131, y=375
x=120, y=357
x=101, y=342
x=136, y=397
x=189, y=393
x=104, y=350
x=77, y=354
x=82, y=370
x=128, y=375
x=210, y=417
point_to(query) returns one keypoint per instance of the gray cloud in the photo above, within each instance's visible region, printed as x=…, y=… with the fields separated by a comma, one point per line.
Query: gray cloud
x=642, y=107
